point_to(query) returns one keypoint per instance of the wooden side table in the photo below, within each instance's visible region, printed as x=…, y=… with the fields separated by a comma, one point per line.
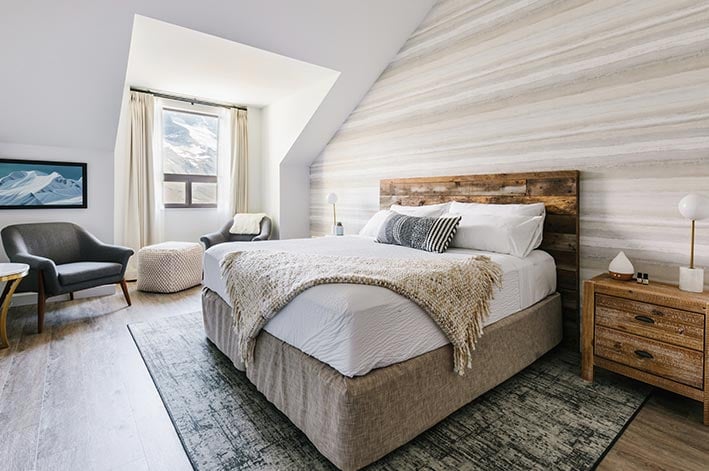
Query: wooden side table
x=12, y=274
x=653, y=333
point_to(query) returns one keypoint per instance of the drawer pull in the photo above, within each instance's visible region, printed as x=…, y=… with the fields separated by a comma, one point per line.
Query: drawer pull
x=643, y=354
x=647, y=320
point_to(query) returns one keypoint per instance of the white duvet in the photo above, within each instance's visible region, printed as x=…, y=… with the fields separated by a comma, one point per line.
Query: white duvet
x=357, y=328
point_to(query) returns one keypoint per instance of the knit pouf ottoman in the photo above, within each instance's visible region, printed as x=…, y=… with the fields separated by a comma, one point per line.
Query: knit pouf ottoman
x=169, y=267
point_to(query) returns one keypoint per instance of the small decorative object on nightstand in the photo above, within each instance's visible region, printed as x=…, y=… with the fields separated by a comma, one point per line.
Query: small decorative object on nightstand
x=332, y=199
x=620, y=268
x=339, y=229
x=653, y=333
x=694, y=207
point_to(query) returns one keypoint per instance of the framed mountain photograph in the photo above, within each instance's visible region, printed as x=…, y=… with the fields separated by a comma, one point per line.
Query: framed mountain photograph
x=39, y=184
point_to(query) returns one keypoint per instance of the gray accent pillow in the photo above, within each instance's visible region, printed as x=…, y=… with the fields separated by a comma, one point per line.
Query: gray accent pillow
x=422, y=233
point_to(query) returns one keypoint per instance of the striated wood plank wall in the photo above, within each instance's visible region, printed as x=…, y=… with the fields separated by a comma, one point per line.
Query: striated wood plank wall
x=616, y=89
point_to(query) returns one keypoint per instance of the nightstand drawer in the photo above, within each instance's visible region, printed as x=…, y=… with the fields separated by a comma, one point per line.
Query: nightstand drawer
x=668, y=361
x=665, y=324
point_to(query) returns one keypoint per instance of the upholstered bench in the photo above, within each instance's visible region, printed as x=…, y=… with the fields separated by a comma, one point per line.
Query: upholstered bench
x=169, y=267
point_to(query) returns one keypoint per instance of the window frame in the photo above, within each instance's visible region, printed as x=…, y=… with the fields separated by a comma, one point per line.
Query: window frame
x=189, y=178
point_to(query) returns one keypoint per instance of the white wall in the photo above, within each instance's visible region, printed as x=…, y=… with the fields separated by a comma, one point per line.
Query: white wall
x=97, y=218
x=294, y=201
x=270, y=172
x=286, y=187
x=255, y=123
x=120, y=165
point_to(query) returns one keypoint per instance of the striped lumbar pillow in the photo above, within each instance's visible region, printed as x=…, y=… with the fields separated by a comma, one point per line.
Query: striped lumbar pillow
x=423, y=233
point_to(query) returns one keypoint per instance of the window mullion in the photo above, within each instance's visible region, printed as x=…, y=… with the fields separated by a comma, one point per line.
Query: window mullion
x=188, y=192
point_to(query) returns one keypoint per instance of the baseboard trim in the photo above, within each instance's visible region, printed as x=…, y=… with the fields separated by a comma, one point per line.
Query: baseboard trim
x=26, y=299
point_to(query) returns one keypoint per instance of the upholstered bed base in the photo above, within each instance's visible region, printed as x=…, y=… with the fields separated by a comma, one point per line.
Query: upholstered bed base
x=355, y=421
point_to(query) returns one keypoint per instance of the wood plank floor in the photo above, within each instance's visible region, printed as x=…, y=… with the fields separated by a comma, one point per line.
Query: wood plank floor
x=78, y=397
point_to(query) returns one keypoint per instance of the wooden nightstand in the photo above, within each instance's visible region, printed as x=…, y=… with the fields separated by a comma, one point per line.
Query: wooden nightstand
x=654, y=333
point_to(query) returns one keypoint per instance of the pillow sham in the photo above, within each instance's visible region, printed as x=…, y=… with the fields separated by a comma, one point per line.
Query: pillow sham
x=422, y=233
x=513, y=235
x=371, y=229
x=533, y=209
x=427, y=210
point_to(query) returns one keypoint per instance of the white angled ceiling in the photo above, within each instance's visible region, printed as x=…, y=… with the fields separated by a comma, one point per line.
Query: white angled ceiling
x=182, y=61
x=64, y=63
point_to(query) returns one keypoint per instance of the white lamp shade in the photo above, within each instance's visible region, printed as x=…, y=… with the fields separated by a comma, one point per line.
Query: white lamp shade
x=694, y=207
x=332, y=198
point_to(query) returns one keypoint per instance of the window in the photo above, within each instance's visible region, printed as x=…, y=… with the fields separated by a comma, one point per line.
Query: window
x=190, y=143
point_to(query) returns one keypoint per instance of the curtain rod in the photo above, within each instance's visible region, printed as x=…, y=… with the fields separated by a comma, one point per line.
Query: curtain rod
x=194, y=101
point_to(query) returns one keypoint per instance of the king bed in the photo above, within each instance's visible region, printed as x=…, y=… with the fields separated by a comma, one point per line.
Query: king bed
x=360, y=369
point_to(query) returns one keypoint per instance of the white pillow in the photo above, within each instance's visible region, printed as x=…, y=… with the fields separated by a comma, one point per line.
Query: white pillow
x=426, y=211
x=533, y=209
x=514, y=235
x=371, y=229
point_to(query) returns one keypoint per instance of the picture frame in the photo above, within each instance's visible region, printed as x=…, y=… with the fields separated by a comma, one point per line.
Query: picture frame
x=42, y=184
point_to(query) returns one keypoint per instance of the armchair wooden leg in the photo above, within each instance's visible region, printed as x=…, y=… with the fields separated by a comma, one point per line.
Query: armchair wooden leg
x=41, y=303
x=71, y=296
x=124, y=287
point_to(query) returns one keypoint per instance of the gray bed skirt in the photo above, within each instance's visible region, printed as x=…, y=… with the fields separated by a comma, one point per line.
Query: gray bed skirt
x=355, y=421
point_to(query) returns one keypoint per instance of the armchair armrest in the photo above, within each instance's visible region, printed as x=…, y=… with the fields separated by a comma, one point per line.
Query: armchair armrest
x=45, y=266
x=110, y=253
x=265, y=230
x=97, y=251
x=37, y=263
x=213, y=238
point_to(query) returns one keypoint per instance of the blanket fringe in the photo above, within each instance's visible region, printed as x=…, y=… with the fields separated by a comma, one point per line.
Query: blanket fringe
x=491, y=274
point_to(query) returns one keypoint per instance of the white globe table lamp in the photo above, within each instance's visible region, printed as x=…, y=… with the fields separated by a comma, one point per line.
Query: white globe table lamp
x=695, y=208
x=332, y=199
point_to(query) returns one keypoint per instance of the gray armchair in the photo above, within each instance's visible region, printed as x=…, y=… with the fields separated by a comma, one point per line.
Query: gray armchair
x=63, y=258
x=223, y=235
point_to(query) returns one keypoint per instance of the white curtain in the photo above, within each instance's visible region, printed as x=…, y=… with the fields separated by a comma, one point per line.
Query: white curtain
x=143, y=216
x=239, y=165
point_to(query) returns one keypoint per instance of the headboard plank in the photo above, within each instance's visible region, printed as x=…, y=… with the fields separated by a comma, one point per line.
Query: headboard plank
x=557, y=204
x=558, y=190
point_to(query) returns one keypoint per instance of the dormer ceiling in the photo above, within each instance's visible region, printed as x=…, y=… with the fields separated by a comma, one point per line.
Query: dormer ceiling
x=176, y=60
x=64, y=67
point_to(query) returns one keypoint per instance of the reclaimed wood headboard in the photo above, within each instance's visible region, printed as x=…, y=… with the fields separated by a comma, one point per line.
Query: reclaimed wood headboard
x=558, y=190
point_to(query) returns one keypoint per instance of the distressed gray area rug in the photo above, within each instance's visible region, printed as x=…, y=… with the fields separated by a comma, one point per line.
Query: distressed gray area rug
x=544, y=418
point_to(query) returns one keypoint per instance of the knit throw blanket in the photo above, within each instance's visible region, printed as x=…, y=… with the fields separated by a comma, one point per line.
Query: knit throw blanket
x=455, y=293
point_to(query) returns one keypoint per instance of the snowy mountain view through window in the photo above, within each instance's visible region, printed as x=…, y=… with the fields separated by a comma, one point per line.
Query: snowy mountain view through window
x=189, y=152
